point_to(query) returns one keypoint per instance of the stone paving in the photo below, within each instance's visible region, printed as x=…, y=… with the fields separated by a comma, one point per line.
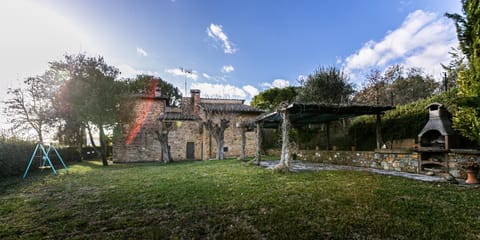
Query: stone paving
x=297, y=166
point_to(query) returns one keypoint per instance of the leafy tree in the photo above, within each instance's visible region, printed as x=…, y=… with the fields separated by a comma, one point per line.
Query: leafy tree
x=93, y=95
x=405, y=121
x=271, y=98
x=467, y=118
x=416, y=85
x=71, y=130
x=326, y=85
x=141, y=82
x=456, y=64
x=394, y=86
x=30, y=107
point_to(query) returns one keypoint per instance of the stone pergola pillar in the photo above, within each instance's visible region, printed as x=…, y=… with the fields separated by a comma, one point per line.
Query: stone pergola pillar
x=285, y=156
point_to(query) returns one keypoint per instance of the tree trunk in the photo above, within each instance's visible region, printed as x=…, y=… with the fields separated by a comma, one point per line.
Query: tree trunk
x=92, y=141
x=79, y=142
x=284, y=164
x=218, y=131
x=258, y=146
x=40, y=136
x=162, y=137
x=220, y=144
x=38, y=129
x=104, y=147
x=165, y=153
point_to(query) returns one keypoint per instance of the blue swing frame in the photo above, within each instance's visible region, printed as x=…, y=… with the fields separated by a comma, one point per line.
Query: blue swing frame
x=45, y=158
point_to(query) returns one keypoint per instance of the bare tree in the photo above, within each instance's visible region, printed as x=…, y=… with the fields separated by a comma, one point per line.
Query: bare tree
x=31, y=107
x=217, y=128
x=162, y=132
x=375, y=90
x=217, y=120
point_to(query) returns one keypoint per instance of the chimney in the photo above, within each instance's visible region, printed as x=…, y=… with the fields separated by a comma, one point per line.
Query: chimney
x=195, y=95
x=158, y=92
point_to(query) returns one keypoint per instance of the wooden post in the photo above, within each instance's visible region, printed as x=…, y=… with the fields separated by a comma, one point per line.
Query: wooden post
x=328, y=135
x=258, y=146
x=378, y=131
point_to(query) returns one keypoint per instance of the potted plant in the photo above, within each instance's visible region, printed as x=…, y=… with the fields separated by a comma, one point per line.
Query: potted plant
x=472, y=168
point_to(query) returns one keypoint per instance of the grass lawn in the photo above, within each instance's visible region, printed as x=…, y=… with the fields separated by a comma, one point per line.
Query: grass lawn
x=231, y=200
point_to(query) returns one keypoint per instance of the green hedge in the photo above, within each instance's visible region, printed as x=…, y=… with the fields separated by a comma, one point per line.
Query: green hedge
x=14, y=157
x=406, y=121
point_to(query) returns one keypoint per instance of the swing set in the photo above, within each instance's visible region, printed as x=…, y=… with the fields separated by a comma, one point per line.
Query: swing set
x=44, y=156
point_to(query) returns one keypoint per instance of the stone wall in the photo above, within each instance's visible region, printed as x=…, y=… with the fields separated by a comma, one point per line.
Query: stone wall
x=458, y=158
x=232, y=138
x=394, y=160
x=138, y=141
x=186, y=131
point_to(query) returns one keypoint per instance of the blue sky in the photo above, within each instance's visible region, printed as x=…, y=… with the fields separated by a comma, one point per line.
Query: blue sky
x=235, y=49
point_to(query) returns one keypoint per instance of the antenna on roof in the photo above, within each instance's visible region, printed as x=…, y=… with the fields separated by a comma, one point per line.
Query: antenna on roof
x=186, y=71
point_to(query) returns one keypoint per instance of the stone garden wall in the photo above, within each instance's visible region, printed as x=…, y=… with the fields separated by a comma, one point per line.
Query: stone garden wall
x=459, y=158
x=394, y=160
x=391, y=160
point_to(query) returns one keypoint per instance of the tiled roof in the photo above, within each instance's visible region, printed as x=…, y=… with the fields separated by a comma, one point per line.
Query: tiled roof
x=177, y=116
x=231, y=108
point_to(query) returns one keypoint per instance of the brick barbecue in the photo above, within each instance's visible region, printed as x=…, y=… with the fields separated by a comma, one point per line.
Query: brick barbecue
x=435, y=140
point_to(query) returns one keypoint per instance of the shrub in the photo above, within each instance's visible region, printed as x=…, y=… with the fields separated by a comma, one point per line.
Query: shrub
x=15, y=155
x=406, y=121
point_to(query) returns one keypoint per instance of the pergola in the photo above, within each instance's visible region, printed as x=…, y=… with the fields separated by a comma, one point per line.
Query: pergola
x=300, y=114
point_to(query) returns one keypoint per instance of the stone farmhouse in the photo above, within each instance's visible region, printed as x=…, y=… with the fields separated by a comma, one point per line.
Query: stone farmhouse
x=189, y=137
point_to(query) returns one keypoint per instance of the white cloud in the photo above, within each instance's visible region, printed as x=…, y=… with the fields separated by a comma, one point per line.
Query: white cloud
x=277, y=83
x=206, y=76
x=179, y=72
x=228, y=69
x=141, y=52
x=302, y=77
x=251, y=90
x=216, y=32
x=220, y=90
x=423, y=40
